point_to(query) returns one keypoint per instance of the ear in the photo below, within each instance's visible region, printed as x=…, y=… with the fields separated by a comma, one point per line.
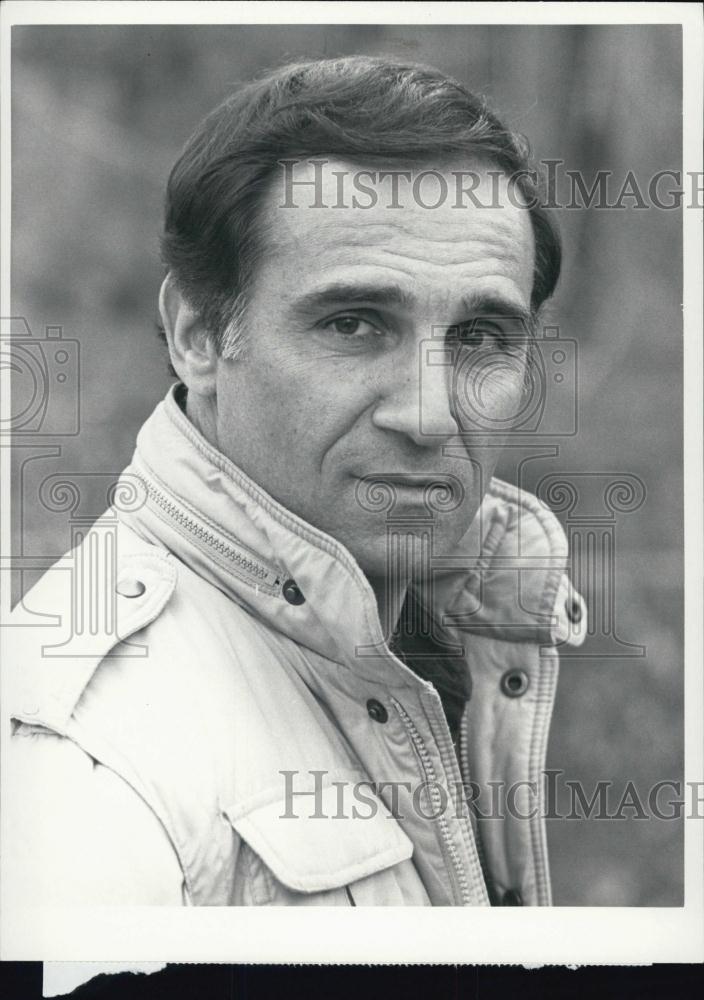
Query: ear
x=192, y=350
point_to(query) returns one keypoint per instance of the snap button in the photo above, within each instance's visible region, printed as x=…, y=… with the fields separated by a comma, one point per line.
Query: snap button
x=130, y=587
x=512, y=897
x=514, y=683
x=574, y=611
x=377, y=711
x=291, y=592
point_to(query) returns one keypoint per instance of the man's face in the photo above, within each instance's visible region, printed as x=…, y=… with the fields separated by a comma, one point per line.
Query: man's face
x=379, y=342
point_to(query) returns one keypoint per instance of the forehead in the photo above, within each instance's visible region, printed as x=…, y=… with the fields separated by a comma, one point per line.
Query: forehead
x=441, y=233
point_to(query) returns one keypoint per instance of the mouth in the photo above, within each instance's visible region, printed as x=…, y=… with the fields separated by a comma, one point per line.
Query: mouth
x=410, y=480
x=388, y=490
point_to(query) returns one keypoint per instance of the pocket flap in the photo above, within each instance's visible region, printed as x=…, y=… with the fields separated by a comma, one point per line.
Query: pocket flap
x=324, y=840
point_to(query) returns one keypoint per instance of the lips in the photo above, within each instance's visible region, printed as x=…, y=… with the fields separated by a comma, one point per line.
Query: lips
x=382, y=491
x=415, y=480
x=403, y=480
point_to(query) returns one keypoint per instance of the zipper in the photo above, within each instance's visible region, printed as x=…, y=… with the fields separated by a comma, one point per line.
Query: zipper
x=474, y=820
x=547, y=680
x=175, y=513
x=432, y=782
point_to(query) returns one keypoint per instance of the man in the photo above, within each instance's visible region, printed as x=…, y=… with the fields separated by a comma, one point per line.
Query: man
x=329, y=627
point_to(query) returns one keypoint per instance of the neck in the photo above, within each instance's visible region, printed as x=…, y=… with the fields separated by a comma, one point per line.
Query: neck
x=390, y=596
x=201, y=411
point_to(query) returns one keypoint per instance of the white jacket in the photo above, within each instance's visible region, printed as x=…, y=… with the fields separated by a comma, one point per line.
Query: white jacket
x=211, y=653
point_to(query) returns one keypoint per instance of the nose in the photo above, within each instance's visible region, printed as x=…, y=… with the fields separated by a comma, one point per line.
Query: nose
x=416, y=399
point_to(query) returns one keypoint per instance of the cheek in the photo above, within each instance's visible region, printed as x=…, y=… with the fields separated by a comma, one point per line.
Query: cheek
x=310, y=411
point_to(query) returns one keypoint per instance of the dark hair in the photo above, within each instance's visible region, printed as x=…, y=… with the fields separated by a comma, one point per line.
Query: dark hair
x=356, y=108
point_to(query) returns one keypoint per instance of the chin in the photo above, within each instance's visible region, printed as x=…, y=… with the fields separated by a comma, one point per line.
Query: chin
x=393, y=553
x=402, y=547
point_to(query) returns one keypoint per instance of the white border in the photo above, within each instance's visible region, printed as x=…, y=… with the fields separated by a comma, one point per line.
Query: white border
x=341, y=12
x=565, y=935
x=331, y=935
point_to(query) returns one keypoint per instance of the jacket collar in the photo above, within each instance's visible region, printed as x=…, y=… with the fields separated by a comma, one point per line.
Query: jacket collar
x=503, y=578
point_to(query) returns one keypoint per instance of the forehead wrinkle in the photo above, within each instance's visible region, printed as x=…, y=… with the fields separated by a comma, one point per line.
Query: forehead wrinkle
x=499, y=254
x=455, y=230
x=461, y=247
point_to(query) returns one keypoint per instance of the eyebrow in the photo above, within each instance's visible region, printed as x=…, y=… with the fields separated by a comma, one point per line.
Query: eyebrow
x=495, y=305
x=478, y=303
x=353, y=292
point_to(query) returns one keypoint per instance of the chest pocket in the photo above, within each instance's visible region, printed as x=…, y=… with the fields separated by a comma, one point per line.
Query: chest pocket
x=305, y=857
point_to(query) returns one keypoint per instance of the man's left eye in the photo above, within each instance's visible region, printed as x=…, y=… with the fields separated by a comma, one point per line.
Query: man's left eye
x=352, y=326
x=478, y=333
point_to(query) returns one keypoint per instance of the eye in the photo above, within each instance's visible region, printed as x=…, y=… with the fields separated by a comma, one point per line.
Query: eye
x=352, y=327
x=487, y=334
x=475, y=333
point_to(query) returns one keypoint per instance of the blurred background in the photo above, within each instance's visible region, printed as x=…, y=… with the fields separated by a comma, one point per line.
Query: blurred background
x=99, y=116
